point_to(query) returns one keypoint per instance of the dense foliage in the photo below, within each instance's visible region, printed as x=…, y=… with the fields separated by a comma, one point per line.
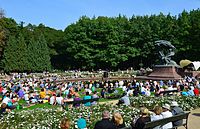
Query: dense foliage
x=102, y=42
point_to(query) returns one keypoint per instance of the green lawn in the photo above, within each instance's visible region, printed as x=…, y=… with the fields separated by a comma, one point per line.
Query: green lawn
x=47, y=105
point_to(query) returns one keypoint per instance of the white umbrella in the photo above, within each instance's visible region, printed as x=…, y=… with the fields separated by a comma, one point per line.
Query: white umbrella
x=196, y=64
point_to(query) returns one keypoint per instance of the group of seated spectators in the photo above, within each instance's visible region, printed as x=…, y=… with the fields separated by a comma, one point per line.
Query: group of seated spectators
x=159, y=113
x=34, y=91
x=116, y=121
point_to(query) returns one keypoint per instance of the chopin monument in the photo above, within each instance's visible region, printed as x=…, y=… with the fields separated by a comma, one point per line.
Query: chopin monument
x=168, y=69
x=166, y=50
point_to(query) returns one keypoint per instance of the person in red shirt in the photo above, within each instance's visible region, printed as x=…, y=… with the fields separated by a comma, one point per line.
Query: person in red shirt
x=196, y=91
x=1, y=89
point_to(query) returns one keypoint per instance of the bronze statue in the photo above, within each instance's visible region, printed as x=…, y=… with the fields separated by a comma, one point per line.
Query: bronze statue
x=166, y=51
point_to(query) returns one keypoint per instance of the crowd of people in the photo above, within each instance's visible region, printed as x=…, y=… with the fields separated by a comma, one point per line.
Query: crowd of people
x=116, y=121
x=50, y=90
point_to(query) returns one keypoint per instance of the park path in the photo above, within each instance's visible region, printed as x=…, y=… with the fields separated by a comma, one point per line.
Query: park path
x=193, y=121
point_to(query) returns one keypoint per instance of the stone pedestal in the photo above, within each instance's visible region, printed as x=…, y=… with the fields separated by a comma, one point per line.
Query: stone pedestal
x=163, y=72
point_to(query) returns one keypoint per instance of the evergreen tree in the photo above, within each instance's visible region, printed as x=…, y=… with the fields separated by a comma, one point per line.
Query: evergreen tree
x=15, y=55
x=39, y=56
x=9, y=60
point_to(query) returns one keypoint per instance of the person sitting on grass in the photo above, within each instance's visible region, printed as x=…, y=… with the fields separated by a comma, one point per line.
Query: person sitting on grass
x=94, y=96
x=20, y=93
x=86, y=98
x=42, y=93
x=69, y=99
x=26, y=97
x=77, y=98
x=196, y=91
x=33, y=97
x=8, y=101
x=124, y=100
x=59, y=100
x=103, y=92
x=3, y=109
x=52, y=100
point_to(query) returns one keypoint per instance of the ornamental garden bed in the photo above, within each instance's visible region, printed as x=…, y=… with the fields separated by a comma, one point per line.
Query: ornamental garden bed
x=46, y=117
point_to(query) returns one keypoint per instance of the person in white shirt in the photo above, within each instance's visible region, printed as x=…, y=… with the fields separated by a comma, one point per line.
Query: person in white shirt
x=142, y=90
x=170, y=88
x=147, y=92
x=6, y=100
x=26, y=97
x=88, y=90
x=130, y=92
x=59, y=100
x=116, y=84
x=53, y=99
x=124, y=88
x=157, y=115
x=166, y=113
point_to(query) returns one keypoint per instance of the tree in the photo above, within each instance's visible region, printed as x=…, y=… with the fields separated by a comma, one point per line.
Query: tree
x=15, y=55
x=9, y=57
x=39, y=58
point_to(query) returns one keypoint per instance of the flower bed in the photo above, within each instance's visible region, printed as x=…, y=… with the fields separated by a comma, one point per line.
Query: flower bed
x=50, y=118
x=186, y=103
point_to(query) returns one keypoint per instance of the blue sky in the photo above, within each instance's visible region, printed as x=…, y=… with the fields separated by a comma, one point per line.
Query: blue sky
x=59, y=14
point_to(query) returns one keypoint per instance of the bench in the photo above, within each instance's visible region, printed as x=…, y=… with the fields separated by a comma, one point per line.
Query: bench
x=82, y=101
x=164, y=121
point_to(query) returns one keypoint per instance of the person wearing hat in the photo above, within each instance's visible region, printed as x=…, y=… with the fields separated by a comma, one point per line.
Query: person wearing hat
x=175, y=111
x=105, y=123
x=166, y=113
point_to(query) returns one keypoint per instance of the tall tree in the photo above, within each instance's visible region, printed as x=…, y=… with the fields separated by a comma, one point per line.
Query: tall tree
x=9, y=57
x=15, y=57
x=39, y=57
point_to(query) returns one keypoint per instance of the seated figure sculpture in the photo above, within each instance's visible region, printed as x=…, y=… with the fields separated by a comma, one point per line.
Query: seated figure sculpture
x=166, y=50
